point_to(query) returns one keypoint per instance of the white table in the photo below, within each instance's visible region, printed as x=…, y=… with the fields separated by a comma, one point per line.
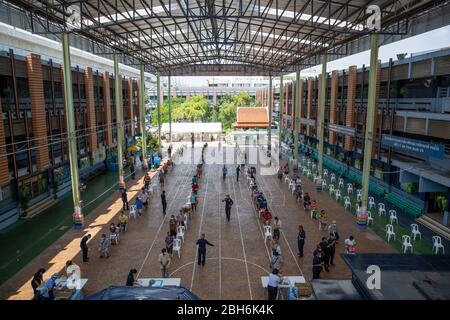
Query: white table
x=160, y=282
x=62, y=282
x=287, y=281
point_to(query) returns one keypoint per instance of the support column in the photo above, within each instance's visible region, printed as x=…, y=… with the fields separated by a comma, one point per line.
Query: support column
x=332, y=136
x=371, y=107
x=269, y=129
x=349, y=142
x=158, y=106
x=170, y=110
x=131, y=106
x=142, y=116
x=321, y=120
x=71, y=133
x=309, y=106
x=296, y=110
x=90, y=105
x=280, y=110
x=119, y=117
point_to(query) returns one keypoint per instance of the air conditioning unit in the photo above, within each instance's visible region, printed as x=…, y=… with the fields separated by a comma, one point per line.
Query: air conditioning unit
x=21, y=114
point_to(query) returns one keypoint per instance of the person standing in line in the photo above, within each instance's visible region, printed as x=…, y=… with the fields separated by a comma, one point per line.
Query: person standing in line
x=331, y=247
x=123, y=220
x=131, y=280
x=161, y=178
x=301, y=240
x=138, y=204
x=36, y=282
x=202, y=242
x=306, y=201
x=333, y=228
x=238, y=171
x=228, y=204
x=317, y=265
x=125, y=206
x=192, y=140
x=146, y=181
x=275, y=279
x=173, y=223
x=169, y=243
x=276, y=261
x=194, y=201
x=276, y=246
x=164, y=201
x=84, y=247
x=169, y=150
x=224, y=172
x=276, y=228
x=104, y=246
x=164, y=261
x=325, y=253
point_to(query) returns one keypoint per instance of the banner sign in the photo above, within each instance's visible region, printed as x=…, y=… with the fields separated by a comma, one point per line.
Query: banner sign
x=341, y=129
x=309, y=122
x=419, y=147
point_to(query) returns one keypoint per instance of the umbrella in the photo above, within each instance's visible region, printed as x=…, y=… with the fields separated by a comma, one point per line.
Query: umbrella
x=133, y=148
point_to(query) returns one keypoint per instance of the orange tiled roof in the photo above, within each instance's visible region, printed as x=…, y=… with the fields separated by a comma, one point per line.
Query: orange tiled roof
x=249, y=117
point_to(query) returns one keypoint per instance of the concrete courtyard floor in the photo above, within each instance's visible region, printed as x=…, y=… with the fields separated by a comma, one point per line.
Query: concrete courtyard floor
x=240, y=255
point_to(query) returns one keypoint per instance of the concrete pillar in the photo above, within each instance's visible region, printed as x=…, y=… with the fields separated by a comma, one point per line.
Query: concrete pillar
x=158, y=105
x=71, y=133
x=377, y=115
x=297, y=109
x=90, y=105
x=350, y=110
x=280, y=109
x=371, y=108
x=39, y=119
x=170, y=110
x=309, y=105
x=107, y=110
x=119, y=116
x=321, y=112
x=332, y=137
x=142, y=115
x=131, y=106
x=270, y=104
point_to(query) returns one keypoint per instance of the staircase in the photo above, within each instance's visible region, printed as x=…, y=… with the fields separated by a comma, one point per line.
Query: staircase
x=434, y=226
x=39, y=207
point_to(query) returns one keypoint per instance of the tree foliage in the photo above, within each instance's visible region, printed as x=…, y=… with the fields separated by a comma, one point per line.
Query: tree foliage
x=228, y=106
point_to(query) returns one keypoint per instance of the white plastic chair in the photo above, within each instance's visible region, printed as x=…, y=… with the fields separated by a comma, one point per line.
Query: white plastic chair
x=324, y=184
x=357, y=207
x=369, y=217
x=114, y=237
x=287, y=179
x=337, y=194
x=186, y=223
x=381, y=209
x=315, y=178
x=349, y=188
x=390, y=232
x=267, y=232
x=347, y=202
x=393, y=216
x=406, y=243
x=331, y=189
x=333, y=178
x=325, y=173
x=180, y=232
x=371, y=202
x=314, y=167
x=415, y=231
x=341, y=183
x=177, y=246
x=132, y=212
x=291, y=184
x=437, y=244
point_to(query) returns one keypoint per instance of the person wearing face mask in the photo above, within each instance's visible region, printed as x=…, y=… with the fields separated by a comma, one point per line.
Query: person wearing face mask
x=317, y=264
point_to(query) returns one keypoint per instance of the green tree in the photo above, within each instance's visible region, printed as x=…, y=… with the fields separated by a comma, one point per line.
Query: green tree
x=228, y=106
x=175, y=103
x=192, y=109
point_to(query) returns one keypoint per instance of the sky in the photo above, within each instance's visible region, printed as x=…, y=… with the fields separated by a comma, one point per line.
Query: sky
x=429, y=41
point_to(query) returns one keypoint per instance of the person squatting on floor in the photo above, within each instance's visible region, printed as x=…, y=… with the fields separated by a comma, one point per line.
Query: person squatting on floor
x=228, y=204
x=202, y=242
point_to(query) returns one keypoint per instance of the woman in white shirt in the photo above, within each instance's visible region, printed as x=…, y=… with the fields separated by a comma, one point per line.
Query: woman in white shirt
x=350, y=245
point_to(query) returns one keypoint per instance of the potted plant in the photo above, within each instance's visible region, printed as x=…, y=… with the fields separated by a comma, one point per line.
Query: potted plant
x=42, y=184
x=55, y=188
x=24, y=199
